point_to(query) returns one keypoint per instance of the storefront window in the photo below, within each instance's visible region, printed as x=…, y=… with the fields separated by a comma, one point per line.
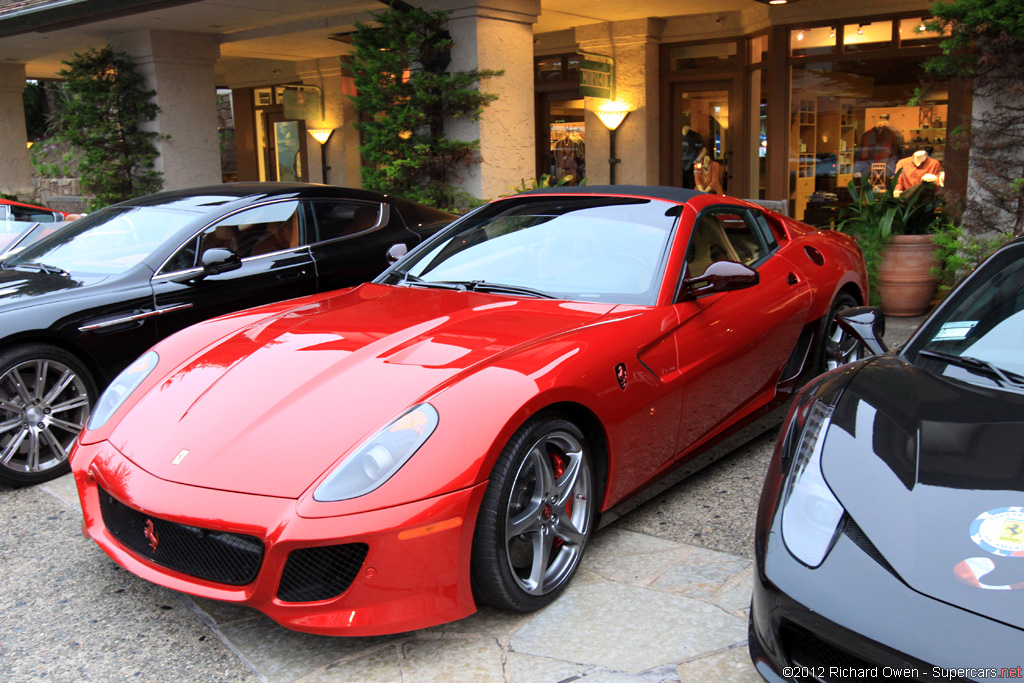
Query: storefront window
x=867, y=36
x=914, y=33
x=850, y=119
x=812, y=41
x=567, y=140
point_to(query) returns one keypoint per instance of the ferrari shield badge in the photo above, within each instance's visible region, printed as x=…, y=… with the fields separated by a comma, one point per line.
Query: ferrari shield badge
x=1000, y=531
x=151, y=535
x=621, y=375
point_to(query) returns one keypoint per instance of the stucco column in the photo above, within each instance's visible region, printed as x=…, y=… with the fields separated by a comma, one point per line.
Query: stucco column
x=340, y=114
x=493, y=34
x=633, y=45
x=15, y=171
x=179, y=66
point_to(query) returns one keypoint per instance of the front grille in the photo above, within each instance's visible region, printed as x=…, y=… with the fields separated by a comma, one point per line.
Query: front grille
x=320, y=573
x=212, y=555
x=820, y=660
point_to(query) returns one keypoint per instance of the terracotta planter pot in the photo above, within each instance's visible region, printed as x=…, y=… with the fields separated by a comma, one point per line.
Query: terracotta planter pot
x=905, y=282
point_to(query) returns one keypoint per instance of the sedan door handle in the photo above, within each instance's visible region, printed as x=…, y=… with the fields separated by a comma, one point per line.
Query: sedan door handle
x=792, y=279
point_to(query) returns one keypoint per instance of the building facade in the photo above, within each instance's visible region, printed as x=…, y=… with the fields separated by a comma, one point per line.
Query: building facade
x=777, y=102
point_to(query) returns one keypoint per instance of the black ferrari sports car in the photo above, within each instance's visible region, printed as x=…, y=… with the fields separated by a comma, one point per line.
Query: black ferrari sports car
x=81, y=304
x=890, y=534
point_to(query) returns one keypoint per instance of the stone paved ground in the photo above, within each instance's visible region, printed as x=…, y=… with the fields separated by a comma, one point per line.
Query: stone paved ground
x=662, y=595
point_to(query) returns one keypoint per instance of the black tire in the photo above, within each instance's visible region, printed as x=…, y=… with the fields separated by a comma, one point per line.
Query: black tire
x=836, y=346
x=45, y=398
x=536, y=516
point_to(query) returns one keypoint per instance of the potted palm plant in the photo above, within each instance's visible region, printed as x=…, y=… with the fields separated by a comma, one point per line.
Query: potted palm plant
x=895, y=234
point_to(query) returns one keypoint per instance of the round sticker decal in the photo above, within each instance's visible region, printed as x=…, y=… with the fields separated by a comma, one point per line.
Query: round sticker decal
x=1000, y=531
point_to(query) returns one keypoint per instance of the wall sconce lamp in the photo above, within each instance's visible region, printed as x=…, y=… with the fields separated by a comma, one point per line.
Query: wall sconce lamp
x=612, y=114
x=322, y=135
x=29, y=144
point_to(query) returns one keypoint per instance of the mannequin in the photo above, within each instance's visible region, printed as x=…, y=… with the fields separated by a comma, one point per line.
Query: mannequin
x=707, y=174
x=880, y=143
x=693, y=145
x=915, y=169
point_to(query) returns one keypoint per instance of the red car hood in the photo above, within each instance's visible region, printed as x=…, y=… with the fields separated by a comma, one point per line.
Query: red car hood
x=269, y=408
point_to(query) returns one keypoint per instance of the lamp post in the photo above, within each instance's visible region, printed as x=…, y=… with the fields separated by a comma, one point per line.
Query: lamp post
x=612, y=114
x=322, y=135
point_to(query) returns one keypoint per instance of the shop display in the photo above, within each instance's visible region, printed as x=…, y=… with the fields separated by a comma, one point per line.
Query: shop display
x=707, y=174
x=917, y=168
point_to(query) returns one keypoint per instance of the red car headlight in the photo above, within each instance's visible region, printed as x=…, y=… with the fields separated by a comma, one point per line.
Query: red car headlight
x=377, y=459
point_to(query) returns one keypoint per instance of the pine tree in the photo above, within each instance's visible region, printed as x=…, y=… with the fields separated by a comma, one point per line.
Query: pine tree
x=106, y=105
x=407, y=95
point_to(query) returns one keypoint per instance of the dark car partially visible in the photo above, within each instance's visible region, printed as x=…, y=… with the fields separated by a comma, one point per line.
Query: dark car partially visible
x=890, y=535
x=79, y=305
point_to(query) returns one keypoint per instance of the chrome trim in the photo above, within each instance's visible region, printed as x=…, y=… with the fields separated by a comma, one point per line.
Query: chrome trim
x=383, y=218
x=133, y=318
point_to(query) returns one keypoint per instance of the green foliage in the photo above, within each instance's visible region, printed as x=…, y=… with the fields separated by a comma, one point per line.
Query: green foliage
x=102, y=115
x=545, y=180
x=986, y=44
x=875, y=216
x=35, y=110
x=959, y=251
x=406, y=96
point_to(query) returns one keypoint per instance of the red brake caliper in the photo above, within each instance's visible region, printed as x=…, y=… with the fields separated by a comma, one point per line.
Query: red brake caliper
x=559, y=466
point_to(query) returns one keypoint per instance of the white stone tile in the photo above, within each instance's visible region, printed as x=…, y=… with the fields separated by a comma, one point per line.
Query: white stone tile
x=65, y=489
x=627, y=629
x=701, y=574
x=530, y=669
x=735, y=594
x=731, y=666
x=453, y=660
x=379, y=666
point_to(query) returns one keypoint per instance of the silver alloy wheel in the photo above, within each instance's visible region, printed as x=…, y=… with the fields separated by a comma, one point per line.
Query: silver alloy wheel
x=841, y=347
x=548, y=515
x=43, y=406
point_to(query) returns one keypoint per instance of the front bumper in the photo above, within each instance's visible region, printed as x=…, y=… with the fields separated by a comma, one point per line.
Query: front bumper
x=415, y=573
x=852, y=618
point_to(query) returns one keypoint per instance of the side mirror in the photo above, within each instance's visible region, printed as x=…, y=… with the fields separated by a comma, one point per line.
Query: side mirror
x=721, y=276
x=215, y=261
x=396, y=252
x=218, y=260
x=867, y=324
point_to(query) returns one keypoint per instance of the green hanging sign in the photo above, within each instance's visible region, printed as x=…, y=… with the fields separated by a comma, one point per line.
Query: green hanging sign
x=597, y=76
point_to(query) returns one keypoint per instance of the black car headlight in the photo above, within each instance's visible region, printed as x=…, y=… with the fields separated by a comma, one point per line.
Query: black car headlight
x=121, y=388
x=378, y=458
x=810, y=512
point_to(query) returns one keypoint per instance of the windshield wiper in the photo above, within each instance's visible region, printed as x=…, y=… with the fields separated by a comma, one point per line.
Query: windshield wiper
x=1001, y=376
x=502, y=288
x=42, y=267
x=410, y=279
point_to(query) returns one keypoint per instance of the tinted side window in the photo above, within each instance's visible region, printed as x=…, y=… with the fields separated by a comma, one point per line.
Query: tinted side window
x=336, y=219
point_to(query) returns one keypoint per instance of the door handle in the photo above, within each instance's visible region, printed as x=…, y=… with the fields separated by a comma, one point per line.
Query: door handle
x=792, y=279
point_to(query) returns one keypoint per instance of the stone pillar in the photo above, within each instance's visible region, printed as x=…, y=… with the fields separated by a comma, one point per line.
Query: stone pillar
x=179, y=67
x=15, y=171
x=340, y=114
x=488, y=34
x=634, y=47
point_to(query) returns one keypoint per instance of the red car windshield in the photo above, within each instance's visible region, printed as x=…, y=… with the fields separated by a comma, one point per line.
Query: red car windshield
x=607, y=249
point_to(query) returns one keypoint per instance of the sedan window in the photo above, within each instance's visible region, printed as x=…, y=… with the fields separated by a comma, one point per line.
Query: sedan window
x=254, y=232
x=723, y=235
x=335, y=219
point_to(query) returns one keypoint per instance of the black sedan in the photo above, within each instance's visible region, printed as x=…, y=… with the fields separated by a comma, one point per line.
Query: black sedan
x=890, y=535
x=81, y=304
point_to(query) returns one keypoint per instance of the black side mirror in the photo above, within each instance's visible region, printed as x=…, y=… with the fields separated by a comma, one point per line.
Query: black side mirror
x=215, y=261
x=219, y=260
x=867, y=324
x=721, y=276
x=396, y=252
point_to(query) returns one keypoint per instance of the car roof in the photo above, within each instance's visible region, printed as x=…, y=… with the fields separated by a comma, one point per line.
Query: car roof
x=207, y=197
x=672, y=194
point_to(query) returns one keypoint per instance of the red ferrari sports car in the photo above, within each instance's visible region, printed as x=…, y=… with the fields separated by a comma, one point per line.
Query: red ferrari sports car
x=384, y=458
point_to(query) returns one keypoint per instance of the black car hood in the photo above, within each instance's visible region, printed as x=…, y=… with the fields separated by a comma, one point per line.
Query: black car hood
x=932, y=470
x=23, y=286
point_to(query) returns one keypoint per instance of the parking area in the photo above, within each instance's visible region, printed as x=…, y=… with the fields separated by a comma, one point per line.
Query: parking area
x=662, y=596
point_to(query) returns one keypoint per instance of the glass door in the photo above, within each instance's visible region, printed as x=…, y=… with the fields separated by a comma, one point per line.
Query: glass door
x=701, y=137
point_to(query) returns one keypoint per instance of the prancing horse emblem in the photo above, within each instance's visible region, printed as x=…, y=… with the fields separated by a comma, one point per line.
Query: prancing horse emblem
x=621, y=375
x=151, y=535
